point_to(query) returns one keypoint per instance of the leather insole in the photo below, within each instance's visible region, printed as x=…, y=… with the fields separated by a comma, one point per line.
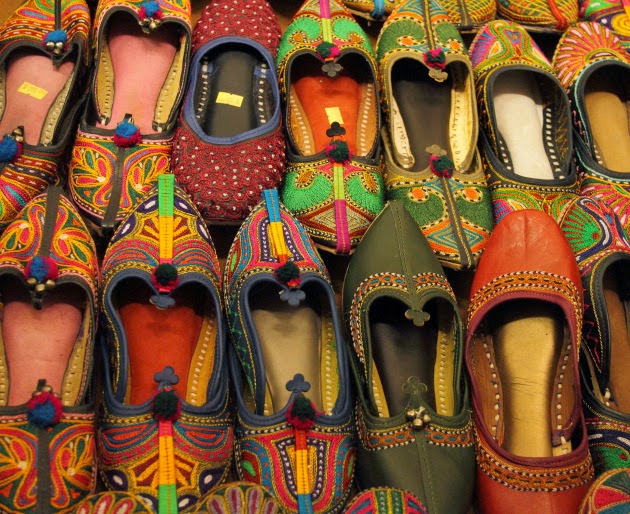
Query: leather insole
x=619, y=325
x=402, y=350
x=425, y=107
x=141, y=63
x=607, y=98
x=232, y=107
x=38, y=343
x=528, y=340
x=316, y=100
x=290, y=341
x=32, y=86
x=158, y=338
x=518, y=106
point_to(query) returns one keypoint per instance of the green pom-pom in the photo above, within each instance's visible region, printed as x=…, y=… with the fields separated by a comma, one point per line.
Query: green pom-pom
x=166, y=405
x=165, y=274
x=302, y=413
x=325, y=49
x=441, y=166
x=338, y=151
x=288, y=272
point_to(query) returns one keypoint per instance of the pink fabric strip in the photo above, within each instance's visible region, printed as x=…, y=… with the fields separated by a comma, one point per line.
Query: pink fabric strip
x=324, y=8
x=165, y=428
x=341, y=221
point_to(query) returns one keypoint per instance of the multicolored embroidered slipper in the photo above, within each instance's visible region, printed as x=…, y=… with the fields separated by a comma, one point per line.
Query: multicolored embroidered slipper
x=334, y=182
x=609, y=494
x=43, y=54
x=113, y=503
x=48, y=284
x=166, y=428
x=595, y=69
x=229, y=144
x=434, y=168
x=125, y=136
x=467, y=15
x=531, y=441
x=295, y=432
x=551, y=16
x=612, y=14
x=414, y=419
x=385, y=500
x=529, y=164
x=238, y=498
x=603, y=255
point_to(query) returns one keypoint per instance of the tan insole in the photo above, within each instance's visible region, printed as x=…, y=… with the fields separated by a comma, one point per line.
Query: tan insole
x=38, y=343
x=527, y=345
x=402, y=350
x=607, y=99
x=32, y=86
x=158, y=338
x=518, y=108
x=619, y=343
x=290, y=339
x=317, y=100
x=141, y=63
x=425, y=108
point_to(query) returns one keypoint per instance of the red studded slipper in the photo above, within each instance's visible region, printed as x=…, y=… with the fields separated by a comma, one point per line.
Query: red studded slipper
x=229, y=145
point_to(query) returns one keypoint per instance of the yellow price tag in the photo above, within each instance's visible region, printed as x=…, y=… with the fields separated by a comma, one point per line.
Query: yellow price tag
x=32, y=90
x=334, y=114
x=229, y=99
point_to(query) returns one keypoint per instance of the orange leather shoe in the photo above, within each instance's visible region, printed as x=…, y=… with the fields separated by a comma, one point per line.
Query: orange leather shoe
x=524, y=326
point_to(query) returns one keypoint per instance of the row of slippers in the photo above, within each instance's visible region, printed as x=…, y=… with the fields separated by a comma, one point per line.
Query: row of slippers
x=229, y=144
x=168, y=430
x=609, y=492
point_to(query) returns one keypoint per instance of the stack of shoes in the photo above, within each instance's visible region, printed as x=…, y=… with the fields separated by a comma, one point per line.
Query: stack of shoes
x=43, y=56
x=595, y=69
x=334, y=183
x=529, y=164
x=289, y=365
x=430, y=138
x=125, y=138
x=48, y=287
x=165, y=431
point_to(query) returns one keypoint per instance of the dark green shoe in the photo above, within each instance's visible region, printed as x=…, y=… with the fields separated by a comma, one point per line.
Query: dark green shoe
x=414, y=418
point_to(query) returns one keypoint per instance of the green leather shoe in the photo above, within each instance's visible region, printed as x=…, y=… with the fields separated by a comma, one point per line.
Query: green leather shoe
x=413, y=417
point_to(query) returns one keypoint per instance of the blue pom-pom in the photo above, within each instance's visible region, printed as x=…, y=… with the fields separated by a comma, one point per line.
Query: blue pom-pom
x=42, y=415
x=150, y=8
x=126, y=129
x=39, y=269
x=9, y=149
x=57, y=36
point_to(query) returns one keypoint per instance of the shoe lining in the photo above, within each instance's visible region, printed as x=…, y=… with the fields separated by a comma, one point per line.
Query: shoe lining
x=523, y=369
x=317, y=100
x=296, y=340
x=401, y=350
x=182, y=336
x=147, y=88
x=519, y=111
x=34, y=94
x=618, y=309
x=233, y=93
x=49, y=344
x=424, y=107
x=607, y=100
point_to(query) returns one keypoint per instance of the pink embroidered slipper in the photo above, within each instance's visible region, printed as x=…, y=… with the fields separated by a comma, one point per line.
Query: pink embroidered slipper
x=48, y=283
x=126, y=133
x=42, y=54
x=229, y=144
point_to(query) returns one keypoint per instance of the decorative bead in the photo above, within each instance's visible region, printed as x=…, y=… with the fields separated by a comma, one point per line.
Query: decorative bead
x=44, y=409
x=41, y=269
x=126, y=134
x=301, y=413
